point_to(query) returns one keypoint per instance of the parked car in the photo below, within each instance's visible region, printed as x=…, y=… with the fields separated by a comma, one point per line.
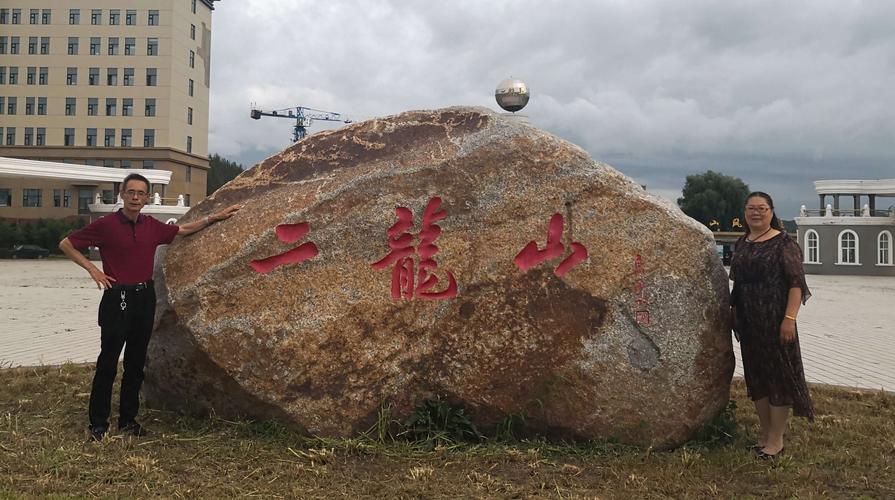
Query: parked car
x=29, y=252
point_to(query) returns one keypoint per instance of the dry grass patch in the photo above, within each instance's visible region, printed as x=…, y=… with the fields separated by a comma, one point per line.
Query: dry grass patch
x=848, y=452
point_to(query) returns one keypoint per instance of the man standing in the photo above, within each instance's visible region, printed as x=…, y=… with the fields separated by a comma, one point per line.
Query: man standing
x=127, y=241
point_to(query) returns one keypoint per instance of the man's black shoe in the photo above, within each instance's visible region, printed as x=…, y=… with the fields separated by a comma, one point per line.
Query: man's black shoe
x=134, y=429
x=97, y=432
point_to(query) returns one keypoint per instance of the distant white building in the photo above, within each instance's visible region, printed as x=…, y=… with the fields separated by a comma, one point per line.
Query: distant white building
x=83, y=180
x=858, y=240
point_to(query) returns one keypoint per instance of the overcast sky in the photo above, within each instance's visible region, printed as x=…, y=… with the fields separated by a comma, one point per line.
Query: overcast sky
x=776, y=93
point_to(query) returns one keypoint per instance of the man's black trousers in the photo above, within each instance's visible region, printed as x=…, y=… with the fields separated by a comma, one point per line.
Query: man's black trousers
x=130, y=328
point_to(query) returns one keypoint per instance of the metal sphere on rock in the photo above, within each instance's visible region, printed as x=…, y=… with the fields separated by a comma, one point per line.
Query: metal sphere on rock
x=512, y=94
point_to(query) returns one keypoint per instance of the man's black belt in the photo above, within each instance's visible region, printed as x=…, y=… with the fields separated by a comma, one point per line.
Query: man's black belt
x=133, y=288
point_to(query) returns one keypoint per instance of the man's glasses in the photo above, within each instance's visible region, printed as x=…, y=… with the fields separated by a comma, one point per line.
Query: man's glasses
x=132, y=192
x=758, y=210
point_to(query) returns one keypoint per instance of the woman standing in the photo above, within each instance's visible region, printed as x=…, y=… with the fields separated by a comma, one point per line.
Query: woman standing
x=768, y=288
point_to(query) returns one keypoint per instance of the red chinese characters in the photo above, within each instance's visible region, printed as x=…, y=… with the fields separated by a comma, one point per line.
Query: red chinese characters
x=407, y=284
x=530, y=256
x=641, y=304
x=288, y=233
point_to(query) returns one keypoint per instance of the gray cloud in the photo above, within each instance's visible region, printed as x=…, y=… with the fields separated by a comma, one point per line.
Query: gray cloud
x=777, y=93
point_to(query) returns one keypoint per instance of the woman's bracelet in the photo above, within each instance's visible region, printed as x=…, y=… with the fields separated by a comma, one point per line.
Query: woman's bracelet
x=787, y=316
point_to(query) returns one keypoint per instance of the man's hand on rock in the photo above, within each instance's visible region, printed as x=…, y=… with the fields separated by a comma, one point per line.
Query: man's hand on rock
x=225, y=213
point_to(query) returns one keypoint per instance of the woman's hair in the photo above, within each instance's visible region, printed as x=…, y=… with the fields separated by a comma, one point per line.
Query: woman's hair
x=775, y=222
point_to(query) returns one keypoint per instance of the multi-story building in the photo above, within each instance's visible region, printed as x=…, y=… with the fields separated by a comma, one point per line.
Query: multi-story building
x=857, y=240
x=112, y=83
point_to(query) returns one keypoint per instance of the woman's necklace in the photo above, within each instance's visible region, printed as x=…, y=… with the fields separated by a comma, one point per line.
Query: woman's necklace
x=759, y=236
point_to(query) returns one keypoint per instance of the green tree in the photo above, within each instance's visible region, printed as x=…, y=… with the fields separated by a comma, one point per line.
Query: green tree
x=713, y=196
x=220, y=172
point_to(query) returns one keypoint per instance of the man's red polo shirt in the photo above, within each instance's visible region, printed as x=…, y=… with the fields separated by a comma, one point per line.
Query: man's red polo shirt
x=127, y=248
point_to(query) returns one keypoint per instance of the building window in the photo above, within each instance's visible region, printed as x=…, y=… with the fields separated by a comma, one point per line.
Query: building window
x=149, y=110
x=2, y=108
x=85, y=198
x=32, y=75
x=128, y=77
x=32, y=45
x=812, y=247
x=71, y=76
x=2, y=75
x=149, y=138
x=29, y=105
x=57, y=198
x=848, y=247
x=11, y=106
x=186, y=199
x=127, y=107
x=192, y=59
x=194, y=6
x=42, y=77
x=72, y=45
x=109, y=138
x=193, y=31
x=151, y=77
x=92, y=106
x=16, y=16
x=74, y=16
x=29, y=136
x=109, y=163
x=95, y=43
x=125, y=140
x=130, y=45
x=44, y=45
x=41, y=137
x=96, y=17
x=152, y=46
x=126, y=163
x=45, y=17
x=189, y=116
x=30, y=197
x=112, y=76
x=70, y=106
x=189, y=147
x=69, y=137
x=189, y=173
x=41, y=107
x=14, y=45
x=93, y=76
x=148, y=164
x=66, y=198
x=884, y=248
x=114, y=16
x=190, y=87
x=3, y=40
x=153, y=18
x=91, y=137
x=13, y=75
x=130, y=17
x=33, y=16
x=10, y=136
x=4, y=16
x=5, y=197
x=111, y=106
x=113, y=46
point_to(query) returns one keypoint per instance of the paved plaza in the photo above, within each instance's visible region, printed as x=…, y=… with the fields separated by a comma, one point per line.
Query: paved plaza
x=847, y=329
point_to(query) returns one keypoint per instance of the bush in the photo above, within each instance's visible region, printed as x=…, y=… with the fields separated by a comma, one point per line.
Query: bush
x=44, y=232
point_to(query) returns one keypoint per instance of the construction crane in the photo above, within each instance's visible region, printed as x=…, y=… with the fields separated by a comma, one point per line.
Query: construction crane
x=303, y=117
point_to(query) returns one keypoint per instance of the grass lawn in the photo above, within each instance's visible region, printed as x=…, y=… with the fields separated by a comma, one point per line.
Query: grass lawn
x=849, y=451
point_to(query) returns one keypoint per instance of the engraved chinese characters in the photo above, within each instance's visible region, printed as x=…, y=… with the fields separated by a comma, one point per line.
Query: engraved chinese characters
x=401, y=255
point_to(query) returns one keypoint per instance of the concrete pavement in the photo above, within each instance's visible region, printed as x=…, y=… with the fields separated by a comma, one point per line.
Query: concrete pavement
x=847, y=329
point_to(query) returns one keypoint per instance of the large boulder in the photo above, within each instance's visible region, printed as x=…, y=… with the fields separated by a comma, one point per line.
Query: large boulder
x=453, y=253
